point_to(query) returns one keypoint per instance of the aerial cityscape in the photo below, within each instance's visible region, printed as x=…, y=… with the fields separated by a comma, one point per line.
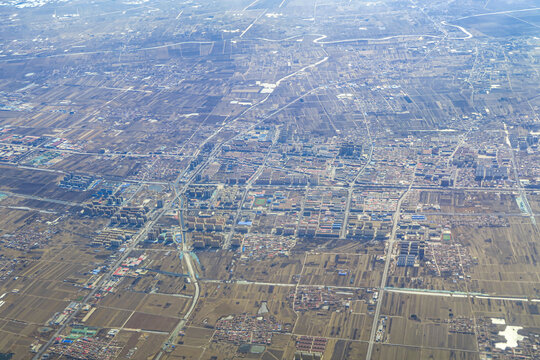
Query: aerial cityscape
x=270, y=179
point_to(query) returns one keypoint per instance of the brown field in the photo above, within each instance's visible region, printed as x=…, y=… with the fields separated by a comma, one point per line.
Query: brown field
x=164, y=259
x=219, y=300
x=506, y=262
x=216, y=265
x=221, y=351
x=151, y=322
x=514, y=312
x=323, y=269
x=164, y=305
x=419, y=320
x=196, y=336
x=383, y=352
x=17, y=344
x=30, y=308
x=123, y=300
x=534, y=200
x=507, y=259
x=148, y=345
x=469, y=202
x=344, y=349
x=105, y=317
x=279, y=270
x=334, y=325
x=37, y=183
x=111, y=166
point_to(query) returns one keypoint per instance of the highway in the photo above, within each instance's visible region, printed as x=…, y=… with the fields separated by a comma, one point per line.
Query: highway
x=185, y=249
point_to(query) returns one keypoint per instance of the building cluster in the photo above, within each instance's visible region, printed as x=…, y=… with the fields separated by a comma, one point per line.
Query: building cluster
x=43, y=158
x=160, y=234
x=320, y=199
x=381, y=329
x=229, y=171
x=108, y=193
x=199, y=196
x=484, y=172
x=274, y=199
x=265, y=222
x=204, y=240
x=158, y=169
x=361, y=228
x=311, y=345
x=48, y=142
x=252, y=142
x=86, y=348
x=448, y=259
x=76, y=182
x=113, y=282
x=315, y=298
x=410, y=251
x=12, y=153
x=432, y=170
x=31, y=150
x=524, y=344
x=414, y=232
x=29, y=140
x=8, y=266
x=227, y=198
x=207, y=221
x=460, y=325
x=320, y=224
x=59, y=318
x=279, y=177
x=213, y=197
x=480, y=221
x=258, y=247
x=371, y=201
x=129, y=267
x=245, y=328
x=28, y=238
x=285, y=201
x=424, y=243
x=417, y=228
x=78, y=331
x=112, y=237
x=130, y=216
x=60, y=144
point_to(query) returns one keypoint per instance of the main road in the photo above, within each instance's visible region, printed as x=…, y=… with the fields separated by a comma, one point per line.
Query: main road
x=389, y=251
x=184, y=249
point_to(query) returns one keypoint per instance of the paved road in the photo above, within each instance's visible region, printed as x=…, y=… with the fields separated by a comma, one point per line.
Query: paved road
x=89, y=153
x=387, y=262
x=184, y=248
x=343, y=232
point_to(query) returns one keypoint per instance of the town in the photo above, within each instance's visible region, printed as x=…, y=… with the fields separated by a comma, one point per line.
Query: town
x=269, y=179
